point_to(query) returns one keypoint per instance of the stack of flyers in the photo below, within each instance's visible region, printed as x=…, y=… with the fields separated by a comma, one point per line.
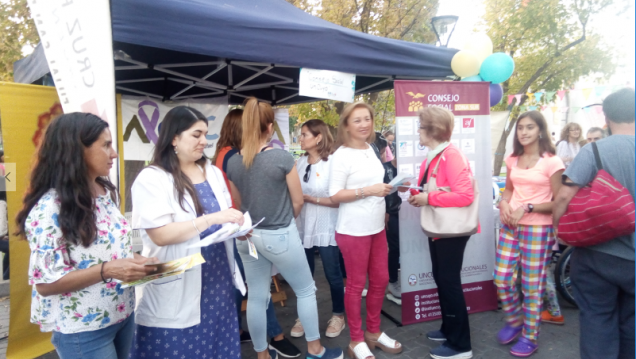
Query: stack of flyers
x=168, y=269
x=399, y=180
x=229, y=231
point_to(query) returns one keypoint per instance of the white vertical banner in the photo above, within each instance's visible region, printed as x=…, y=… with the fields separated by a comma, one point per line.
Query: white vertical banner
x=280, y=137
x=77, y=40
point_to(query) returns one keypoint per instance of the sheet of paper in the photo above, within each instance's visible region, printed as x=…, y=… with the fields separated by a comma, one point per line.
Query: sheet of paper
x=418, y=167
x=252, y=249
x=405, y=126
x=455, y=143
x=420, y=151
x=229, y=231
x=168, y=269
x=405, y=148
x=468, y=125
x=400, y=179
x=468, y=146
x=331, y=85
x=472, y=167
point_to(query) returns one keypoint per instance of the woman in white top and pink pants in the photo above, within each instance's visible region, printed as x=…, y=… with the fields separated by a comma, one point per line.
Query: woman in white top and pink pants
x=357, y=185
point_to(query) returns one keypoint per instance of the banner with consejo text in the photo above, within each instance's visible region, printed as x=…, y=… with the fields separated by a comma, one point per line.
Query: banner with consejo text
x=469, y=102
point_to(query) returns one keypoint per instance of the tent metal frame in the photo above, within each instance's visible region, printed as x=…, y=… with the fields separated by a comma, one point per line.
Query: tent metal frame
x=259, y=70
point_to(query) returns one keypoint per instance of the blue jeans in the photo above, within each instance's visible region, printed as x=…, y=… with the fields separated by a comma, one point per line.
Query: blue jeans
x=282, y=248
x=112, y=342
x=273, y=327
x=330, y=256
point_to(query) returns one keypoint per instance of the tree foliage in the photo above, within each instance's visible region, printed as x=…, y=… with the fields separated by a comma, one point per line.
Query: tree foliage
x=397, y=19
x=552, y=45
x=17, y=30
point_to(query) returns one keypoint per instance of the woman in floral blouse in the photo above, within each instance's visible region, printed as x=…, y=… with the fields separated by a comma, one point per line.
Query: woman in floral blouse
x=80, y=242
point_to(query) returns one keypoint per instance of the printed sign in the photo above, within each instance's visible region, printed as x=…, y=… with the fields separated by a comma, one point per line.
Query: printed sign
x=331, y=85
x=469, y=104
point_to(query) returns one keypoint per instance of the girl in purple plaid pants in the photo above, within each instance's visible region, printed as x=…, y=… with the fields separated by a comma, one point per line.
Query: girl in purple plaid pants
x=533, y=178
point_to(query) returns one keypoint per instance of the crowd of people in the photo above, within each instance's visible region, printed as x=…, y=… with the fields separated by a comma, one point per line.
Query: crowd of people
x=335, y=200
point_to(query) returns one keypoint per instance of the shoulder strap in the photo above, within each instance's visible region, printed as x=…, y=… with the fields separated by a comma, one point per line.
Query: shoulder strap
x=428, y=166
x=597, y=156
x=376, y=150
x=227, y=157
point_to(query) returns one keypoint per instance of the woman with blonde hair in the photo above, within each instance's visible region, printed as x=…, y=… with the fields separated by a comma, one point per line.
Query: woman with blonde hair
x=570, y=143
x=265, y=183
x=356, y=183
x=317, y=220
x=447, y=254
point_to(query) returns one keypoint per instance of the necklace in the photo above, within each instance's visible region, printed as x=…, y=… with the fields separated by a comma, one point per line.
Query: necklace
x=309, y=160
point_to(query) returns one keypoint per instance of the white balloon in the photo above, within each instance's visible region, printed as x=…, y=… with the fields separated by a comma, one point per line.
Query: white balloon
x=480, y=44
x=465, y=63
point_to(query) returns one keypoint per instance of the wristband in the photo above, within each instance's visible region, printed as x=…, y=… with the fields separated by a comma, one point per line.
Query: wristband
x=101, y=273
x=356, y=194
x=363, y=196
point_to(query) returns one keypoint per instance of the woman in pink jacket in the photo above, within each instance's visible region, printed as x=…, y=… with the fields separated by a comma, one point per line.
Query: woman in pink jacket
x=447, y=254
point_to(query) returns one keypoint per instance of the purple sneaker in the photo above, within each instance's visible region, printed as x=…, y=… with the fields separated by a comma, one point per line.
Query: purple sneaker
x=523, y=348
x=508, y=334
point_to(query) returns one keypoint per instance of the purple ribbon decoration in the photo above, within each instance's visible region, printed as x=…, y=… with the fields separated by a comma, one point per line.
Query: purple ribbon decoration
x=149, y=125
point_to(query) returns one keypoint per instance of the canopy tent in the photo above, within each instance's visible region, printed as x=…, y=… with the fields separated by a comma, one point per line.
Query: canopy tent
x=177, y=49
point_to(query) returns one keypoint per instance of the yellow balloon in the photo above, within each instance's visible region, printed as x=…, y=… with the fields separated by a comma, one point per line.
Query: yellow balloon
x=480, y=44
x=465, y=63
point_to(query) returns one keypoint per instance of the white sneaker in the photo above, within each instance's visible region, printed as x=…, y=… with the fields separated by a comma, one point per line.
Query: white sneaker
x=395, y=289
x=395, y=300
x=335, y=326
x=297, y=330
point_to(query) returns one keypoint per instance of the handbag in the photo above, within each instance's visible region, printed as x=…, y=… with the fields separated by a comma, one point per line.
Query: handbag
x=599, y=212
x=447, y=222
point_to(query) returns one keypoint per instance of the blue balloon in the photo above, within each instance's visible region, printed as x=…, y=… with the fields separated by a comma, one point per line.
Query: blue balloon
x=475, y=78
x=497, y=68
x=496, y=93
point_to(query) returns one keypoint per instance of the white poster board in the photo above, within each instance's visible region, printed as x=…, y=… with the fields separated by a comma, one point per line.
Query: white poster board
x=142, y=116
x=331, y=85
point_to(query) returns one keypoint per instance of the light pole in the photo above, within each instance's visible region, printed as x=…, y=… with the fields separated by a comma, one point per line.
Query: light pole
x=443, y=26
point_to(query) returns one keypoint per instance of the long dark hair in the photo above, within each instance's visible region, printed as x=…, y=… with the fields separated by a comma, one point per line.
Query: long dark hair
x=60, y=165
x=545, y=142
x=177, y=120
x=231, y=132
x=319, y=127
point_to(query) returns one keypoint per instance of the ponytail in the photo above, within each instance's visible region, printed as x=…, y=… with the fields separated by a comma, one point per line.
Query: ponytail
x=256, y=118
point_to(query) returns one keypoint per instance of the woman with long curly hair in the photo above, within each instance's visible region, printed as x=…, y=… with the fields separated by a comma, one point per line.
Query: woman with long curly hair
x=570, y=142
x=79, y=242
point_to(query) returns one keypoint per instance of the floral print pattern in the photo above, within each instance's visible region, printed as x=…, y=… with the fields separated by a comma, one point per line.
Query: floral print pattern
x=91, y=308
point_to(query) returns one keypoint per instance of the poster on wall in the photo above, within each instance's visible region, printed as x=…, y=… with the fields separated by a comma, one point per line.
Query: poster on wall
x=142, y=116
x=469, y=102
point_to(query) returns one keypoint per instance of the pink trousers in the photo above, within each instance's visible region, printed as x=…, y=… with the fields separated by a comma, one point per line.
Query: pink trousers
x=366, y=255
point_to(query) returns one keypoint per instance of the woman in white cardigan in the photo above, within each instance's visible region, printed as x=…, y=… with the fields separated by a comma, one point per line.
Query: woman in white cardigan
x=177, y=201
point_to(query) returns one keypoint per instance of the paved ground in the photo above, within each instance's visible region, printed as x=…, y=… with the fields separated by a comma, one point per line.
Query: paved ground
x=555, y=341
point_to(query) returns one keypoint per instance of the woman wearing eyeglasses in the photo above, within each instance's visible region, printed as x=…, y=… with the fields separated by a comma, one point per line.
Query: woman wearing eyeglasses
x=317, y=220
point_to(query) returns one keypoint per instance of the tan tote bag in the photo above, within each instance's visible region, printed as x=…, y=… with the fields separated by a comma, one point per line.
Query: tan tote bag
x=447, y=222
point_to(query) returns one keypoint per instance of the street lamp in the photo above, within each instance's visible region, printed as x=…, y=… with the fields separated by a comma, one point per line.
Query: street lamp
x=441, y=27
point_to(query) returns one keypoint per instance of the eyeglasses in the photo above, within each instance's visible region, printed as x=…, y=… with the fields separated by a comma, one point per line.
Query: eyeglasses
x=307, y=172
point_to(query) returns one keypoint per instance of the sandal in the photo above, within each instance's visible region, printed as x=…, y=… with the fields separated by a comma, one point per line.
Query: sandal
x=385, y=344
x=361, y=351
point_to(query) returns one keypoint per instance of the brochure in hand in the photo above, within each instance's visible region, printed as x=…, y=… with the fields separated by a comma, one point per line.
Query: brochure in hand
x=229, y=231
x=168, y=269
x=399, y=180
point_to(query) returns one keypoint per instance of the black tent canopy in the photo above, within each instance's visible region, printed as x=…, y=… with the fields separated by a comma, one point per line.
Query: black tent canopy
x=178, y=49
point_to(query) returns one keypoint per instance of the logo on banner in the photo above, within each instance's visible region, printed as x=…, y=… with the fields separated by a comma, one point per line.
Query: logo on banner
x=412, y=279
x=414, y=106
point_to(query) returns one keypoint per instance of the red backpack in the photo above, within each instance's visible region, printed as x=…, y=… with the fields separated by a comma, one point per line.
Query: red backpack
x=599, y=212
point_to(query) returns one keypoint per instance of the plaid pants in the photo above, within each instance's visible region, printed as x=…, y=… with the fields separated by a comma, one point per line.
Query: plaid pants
x=530, y=247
